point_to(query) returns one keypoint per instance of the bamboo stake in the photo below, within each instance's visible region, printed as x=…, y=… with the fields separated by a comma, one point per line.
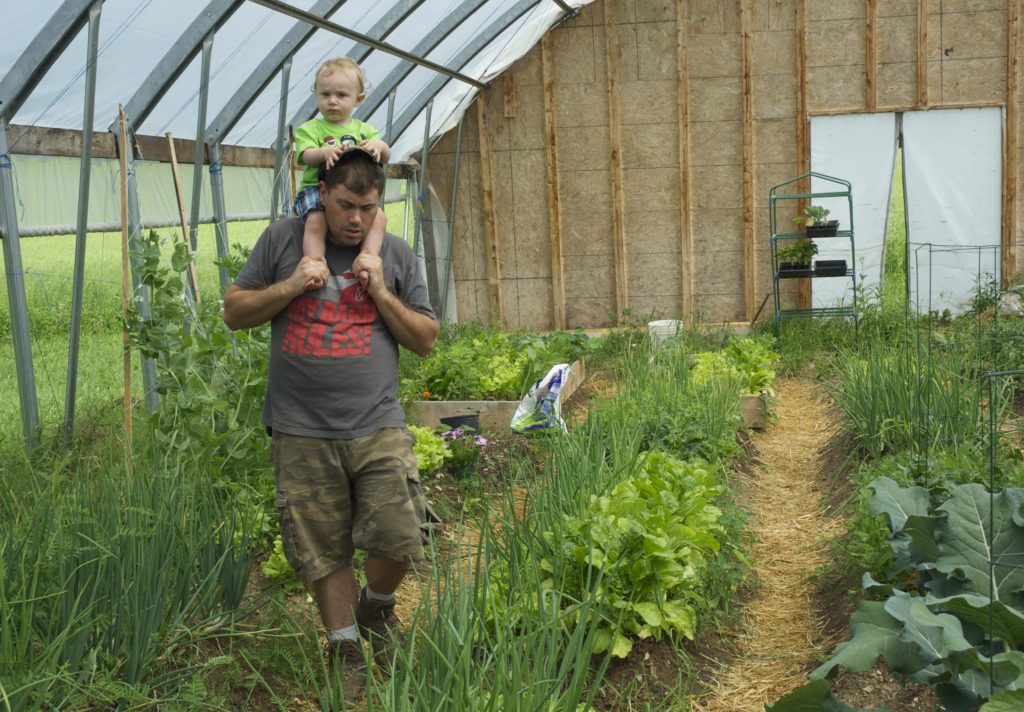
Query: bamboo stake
x=125, y=283
x=192, y=276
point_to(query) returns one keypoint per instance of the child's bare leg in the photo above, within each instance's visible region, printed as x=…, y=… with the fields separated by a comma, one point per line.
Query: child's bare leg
x=314, y=239
x=374, y=240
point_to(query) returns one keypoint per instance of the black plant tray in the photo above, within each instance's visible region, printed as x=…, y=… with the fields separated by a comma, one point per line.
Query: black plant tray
x=789, y=270
x=829, y=229
x=829, y=268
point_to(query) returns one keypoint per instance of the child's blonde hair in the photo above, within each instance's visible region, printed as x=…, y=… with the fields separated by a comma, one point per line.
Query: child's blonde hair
x=341, y=64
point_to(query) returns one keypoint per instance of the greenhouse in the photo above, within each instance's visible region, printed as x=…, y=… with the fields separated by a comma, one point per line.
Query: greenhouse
x=687, y=375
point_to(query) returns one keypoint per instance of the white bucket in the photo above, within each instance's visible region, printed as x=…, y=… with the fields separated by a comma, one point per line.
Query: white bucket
x=659, y=331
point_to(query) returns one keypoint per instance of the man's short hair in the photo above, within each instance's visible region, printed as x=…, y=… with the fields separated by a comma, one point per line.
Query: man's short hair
x=356, y=169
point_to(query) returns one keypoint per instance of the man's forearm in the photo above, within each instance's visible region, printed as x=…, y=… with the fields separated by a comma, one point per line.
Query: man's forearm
x=412, y=329
x=244, y=308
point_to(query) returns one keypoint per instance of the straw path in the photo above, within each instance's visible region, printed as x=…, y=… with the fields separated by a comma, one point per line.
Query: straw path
x=781, y=633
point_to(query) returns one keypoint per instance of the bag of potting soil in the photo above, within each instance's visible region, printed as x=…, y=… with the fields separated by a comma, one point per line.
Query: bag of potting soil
x=541, y=409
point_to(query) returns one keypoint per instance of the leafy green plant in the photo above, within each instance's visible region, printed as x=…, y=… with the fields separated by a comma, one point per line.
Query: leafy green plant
x=430, y=450
x=649, y=540
x=799, y=253
x=478, y=364
x=955, y=619
x=811, y=215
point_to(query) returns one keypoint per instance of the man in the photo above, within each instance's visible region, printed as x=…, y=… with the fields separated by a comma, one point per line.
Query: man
x=346, y=475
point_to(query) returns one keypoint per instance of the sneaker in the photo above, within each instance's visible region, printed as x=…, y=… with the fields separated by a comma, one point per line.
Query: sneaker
x=379, y=625
x=346, y=667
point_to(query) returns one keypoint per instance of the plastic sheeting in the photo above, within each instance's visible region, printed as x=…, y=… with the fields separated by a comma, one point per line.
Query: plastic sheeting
x=953, y=170
x=47, y=190
x=135, y=35
x=861, y=149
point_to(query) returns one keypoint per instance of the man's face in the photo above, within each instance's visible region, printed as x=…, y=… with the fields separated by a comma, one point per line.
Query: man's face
x=349, y=215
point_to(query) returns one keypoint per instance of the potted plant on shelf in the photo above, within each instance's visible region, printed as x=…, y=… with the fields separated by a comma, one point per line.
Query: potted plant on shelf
x=795, y=259
x=814, y=218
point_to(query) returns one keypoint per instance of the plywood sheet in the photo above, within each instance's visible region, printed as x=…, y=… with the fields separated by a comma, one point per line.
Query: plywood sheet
x=654, y=306
x=714, y=16
x=717, y=230
x=818, y=12
x=583, y=148
x=897, y=85
x=773, y=97
x=974, y=34
x=583, y=190
x=658, y=99
x=713, y=55
x=587, y=232
x=576, y=54
x=973, y=80
x=897, y=39
x=581, y=105
x=773, y=53
x=651, y=189
x=835, y=89
x=836, y=43
x=510, y=302
x=589, y=312
x=715, y=98
x=719, y=307
x=656, y=51
x=653, y=231
x=652, y=146
x=535, y=304
x=775, y=142
x=527, y=127
x=653, y=274
x=589, y=276
x=715, y=143
x=717, y=187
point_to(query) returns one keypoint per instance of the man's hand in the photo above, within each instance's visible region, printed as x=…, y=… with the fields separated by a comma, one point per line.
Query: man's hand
x=373, y=267
x=310, y=273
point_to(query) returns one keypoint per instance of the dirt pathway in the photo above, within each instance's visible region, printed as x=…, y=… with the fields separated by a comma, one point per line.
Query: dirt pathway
x=780, y=633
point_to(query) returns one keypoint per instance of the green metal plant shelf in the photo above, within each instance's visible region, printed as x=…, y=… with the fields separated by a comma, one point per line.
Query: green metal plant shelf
x=835, y=188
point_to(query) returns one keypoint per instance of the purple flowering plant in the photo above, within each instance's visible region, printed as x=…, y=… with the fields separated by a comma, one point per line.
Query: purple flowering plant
x=465, y=445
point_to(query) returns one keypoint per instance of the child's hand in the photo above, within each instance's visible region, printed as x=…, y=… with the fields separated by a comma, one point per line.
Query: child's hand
x=377, y=148
x=331, y=154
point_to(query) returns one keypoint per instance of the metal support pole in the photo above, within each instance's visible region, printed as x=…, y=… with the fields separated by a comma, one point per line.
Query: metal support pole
x=197, y=164
x=85, y=173
x=426, y=233
x=387, y=136
x=280, y=186
x=16, y=297
x=219, y=213
x=451, y=220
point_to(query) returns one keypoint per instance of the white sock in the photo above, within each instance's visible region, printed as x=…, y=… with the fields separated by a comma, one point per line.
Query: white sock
x=349, y=633
x=378, y=597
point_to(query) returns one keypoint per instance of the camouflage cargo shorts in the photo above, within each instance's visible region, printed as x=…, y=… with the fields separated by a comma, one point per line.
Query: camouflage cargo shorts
x=334, y=496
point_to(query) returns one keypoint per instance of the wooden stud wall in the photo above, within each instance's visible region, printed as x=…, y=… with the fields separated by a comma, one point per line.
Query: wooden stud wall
x=683, y=109
x=613, y=56
x=637, y=169
x=747, y=140
x=554, y=205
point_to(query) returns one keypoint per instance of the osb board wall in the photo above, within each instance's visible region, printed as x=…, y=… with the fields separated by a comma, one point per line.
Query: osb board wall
x=661, y=206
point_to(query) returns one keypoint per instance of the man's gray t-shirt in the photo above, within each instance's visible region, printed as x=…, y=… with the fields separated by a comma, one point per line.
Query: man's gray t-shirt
x=333, y=362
